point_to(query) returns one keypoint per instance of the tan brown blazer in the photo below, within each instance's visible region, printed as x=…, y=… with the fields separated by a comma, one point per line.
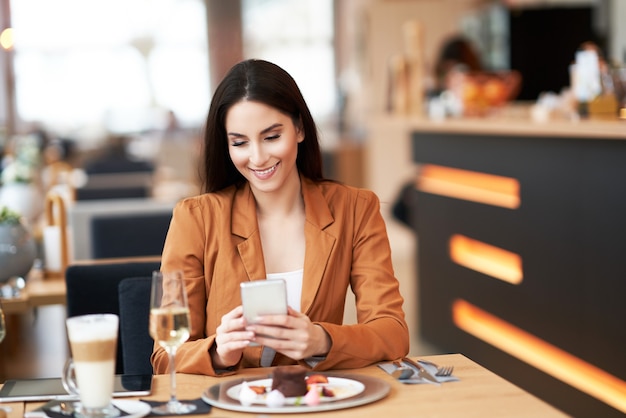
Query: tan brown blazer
x=214, y=238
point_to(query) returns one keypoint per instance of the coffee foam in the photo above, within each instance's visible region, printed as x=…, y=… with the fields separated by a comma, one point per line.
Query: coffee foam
x=92, y=327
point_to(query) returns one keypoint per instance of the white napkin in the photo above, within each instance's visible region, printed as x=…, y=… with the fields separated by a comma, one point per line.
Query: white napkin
x=389, y=367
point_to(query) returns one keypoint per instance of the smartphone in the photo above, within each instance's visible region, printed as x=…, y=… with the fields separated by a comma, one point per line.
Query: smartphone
x=19, y=390
x=263, y=297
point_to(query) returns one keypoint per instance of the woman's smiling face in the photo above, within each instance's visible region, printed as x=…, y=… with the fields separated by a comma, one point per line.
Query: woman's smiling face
x=263, y=144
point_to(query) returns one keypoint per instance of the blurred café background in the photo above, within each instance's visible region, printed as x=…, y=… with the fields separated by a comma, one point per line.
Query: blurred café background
x=493, y=131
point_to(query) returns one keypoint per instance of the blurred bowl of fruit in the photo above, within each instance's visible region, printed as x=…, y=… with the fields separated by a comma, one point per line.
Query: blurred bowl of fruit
x=480, y=92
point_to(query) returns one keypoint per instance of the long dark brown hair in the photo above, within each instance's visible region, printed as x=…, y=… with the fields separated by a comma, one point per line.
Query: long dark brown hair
x=267, y=83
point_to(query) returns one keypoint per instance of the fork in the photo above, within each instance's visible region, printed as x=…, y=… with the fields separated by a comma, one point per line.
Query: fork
x=404, y=372
x=442, y=371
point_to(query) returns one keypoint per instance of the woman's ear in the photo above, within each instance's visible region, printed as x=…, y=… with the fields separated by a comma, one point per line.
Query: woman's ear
x=299, y=130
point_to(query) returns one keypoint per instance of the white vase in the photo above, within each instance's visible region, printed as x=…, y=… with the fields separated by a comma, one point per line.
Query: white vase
x=24, y=198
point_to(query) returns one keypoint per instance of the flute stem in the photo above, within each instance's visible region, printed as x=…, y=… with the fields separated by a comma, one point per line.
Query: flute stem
x=172, y=354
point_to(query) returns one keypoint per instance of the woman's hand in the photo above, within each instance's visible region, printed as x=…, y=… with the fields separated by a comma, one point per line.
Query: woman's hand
x=231, y=338
x=293, y=335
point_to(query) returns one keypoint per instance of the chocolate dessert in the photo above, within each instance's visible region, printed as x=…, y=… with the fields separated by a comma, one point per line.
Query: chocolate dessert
x=290, y=380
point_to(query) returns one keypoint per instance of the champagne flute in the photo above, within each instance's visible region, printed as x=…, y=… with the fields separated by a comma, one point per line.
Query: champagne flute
x=3, y=326
x=170, y=327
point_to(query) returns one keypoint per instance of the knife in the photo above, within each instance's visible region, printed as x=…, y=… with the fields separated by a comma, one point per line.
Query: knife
x=421, y=371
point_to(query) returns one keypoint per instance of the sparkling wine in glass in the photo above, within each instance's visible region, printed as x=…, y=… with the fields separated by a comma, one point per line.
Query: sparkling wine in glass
x=169, y=327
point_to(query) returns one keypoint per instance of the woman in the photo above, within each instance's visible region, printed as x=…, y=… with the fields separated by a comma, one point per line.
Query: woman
x=267, y=212
x=456, y=55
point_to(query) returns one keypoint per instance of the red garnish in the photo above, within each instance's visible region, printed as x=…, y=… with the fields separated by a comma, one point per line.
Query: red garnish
x=316, y=378
x=328, y=393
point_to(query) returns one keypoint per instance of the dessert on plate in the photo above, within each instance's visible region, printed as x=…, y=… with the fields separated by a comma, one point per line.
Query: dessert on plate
x=290, y=380
x=287, y=382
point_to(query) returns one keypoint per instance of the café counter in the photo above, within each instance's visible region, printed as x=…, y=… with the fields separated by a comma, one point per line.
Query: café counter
x=520, y=256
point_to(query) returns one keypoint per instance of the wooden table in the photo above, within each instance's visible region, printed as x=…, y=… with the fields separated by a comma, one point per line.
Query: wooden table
x=479, y=393
x=41, y=291
x=38, y=292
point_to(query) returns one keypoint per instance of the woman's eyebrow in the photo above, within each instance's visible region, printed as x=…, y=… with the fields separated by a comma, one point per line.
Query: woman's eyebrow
x=274, y=126
x=264, y=131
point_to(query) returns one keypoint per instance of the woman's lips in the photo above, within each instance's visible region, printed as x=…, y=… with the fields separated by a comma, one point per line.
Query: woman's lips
x=265, y=174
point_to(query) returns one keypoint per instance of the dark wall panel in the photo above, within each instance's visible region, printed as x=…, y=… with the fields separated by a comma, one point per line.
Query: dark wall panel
x=570, y=231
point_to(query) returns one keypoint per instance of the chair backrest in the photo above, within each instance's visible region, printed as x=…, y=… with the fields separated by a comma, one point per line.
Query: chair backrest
x=81, y=214
x=117, y=179
x=93, y=288
x=137, y=345
x=130, y=235
x=100, y=193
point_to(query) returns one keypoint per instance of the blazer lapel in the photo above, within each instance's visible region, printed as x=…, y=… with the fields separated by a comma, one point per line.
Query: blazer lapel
x=244, y=225
x=319, y=243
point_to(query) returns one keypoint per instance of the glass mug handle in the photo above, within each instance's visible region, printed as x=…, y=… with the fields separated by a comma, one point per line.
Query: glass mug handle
x=68, y=378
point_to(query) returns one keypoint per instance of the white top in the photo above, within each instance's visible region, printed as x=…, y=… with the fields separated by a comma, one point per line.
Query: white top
x=293, y=280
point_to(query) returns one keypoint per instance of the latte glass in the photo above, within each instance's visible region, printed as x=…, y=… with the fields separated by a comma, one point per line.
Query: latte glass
x=91, y=370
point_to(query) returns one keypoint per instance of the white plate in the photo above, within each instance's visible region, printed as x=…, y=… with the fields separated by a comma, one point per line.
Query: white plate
x=365, y=389
x=341, y=388
x=134, y=409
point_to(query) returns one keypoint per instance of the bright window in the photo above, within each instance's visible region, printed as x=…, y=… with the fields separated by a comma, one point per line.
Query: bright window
x=118, y=65
x=298, y=36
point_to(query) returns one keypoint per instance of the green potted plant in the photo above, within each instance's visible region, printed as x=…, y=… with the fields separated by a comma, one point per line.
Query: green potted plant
x=17, y=246
x=9, y=217
x=19, y=176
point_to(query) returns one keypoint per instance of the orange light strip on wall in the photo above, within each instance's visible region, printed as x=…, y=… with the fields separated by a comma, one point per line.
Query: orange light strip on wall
x=469, y=185
x=488, y=259
x=540, y=354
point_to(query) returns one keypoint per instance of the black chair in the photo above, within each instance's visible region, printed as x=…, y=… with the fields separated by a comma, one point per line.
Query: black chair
x=129, y=235
x=134, y=300
x=100, y=193
x=116, y=164
x=115, y=176
x=93, y=288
